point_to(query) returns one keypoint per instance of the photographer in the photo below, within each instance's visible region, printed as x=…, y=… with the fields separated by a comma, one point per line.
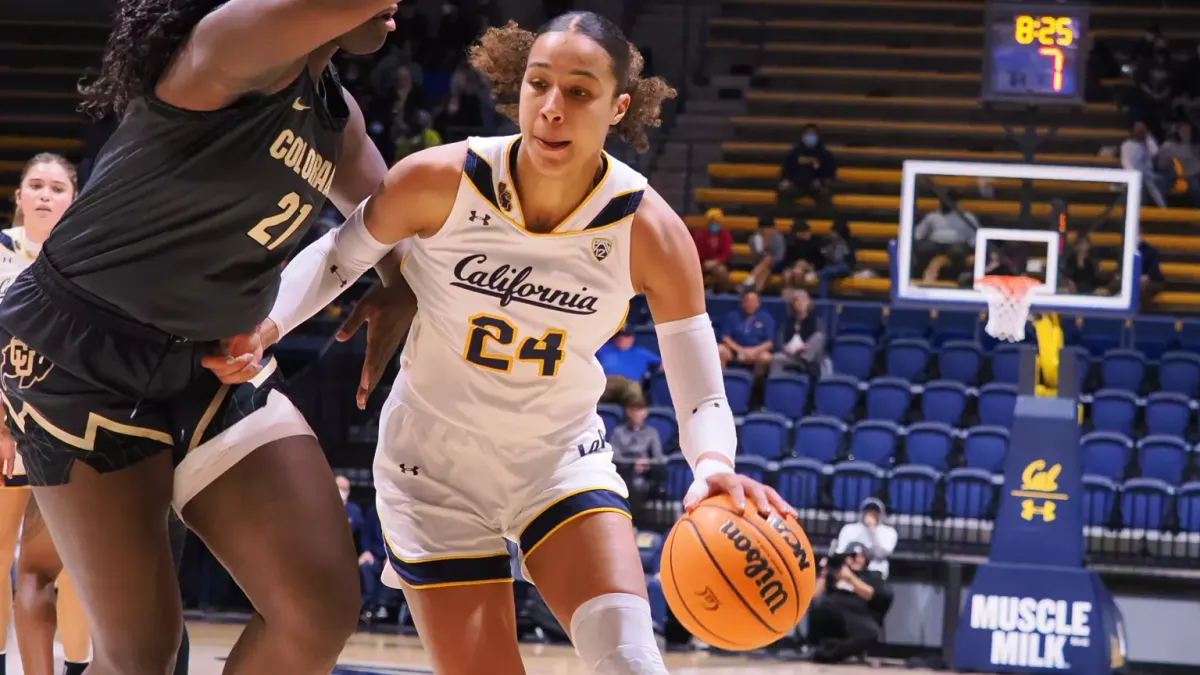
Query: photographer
x=849, y=603
x=871, y=531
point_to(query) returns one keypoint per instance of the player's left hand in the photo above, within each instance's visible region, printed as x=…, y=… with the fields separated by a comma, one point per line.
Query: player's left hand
x=388, y=312
x=8, y=451
x=239, y=358
x=746, y=492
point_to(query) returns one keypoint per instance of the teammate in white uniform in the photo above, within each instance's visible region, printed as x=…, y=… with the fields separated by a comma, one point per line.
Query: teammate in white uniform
x=525, y=252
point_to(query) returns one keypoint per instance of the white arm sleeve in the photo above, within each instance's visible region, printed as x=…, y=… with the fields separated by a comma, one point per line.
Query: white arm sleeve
x=693, y=368
x=324, y=269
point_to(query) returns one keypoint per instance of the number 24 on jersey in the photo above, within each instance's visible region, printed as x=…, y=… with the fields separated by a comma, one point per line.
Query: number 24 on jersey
x=546, y=352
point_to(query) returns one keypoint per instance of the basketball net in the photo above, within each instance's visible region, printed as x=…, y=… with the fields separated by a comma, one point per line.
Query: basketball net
x=1008, y=301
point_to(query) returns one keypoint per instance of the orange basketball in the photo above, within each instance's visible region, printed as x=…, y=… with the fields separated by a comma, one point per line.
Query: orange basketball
x=737, y=582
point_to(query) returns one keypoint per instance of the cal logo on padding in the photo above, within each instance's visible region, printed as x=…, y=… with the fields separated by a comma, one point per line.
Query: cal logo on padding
x=1039, y=491
x=601, y=247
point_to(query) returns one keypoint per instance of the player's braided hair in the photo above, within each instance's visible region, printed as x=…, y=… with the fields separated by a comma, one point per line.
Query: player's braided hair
x=44, y=158
x=502, y=53
x=145, y=35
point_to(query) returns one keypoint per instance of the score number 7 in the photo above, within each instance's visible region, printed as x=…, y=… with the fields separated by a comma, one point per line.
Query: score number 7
x=546, y=351
x=1056, y=54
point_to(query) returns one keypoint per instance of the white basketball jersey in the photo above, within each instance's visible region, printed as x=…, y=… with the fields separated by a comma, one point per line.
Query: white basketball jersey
x=509, y=321
x=14, y=257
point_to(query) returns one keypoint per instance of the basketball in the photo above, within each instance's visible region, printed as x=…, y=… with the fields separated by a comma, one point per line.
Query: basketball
x=737, y=582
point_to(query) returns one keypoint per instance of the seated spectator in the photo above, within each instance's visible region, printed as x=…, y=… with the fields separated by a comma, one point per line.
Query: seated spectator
x=353, y=511
x=848, y=606
x=807, y=171
x=801, y=340
x=379, y=602
x=1081, y=267
x=1138, y=153
x=770, y=252
x=626, y=365
x=714, y=244
x=878, y=538
x=1179, y=158
x=838, y=253
x=1152, y=278
x=637, y=451
x=803, y=257
x=943, y=239
x=747, y=335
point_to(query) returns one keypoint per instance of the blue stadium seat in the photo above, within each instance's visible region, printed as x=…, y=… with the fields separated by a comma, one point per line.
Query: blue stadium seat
x=1164, y=458
x=969, y=493
x=819, y=438
x=737, y=389
x=874, y=441
x=985, y=448
x=853, y=355
x=960, y=361
x=799, y=482
x=836, y=396
x=888, y=399
x=1189, y=335
x=860, y=318
x=1167, y=413
x=658, y=603
x=1105, y=454
x=1099, y=500
x=650, y=547
x=1083, y=366
x=905, y=323
x=1114, y=410
x=660, y=393
x=1122, y=369
x=1179, y=372
x=1006, y=363
x=787, y=394
x=908, y=358
x=853, y=482
x=753, y=466
x=1153, y=336
x=950, y=325
x=1187, y=506
x=612, y=414
x=996, y=404
x=662, y=418
x=719, y=305
x=764, y=434
x=776, y=307
x=929, y=444
x=911, y=490
x=1144, y=503
x=1099, y=334
x=826, y=313
x=646, y=337
x=944, y=401
x=679, y=476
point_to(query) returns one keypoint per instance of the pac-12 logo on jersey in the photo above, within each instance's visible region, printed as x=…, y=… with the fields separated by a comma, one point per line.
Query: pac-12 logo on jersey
x=21, y=363
x=601, y=247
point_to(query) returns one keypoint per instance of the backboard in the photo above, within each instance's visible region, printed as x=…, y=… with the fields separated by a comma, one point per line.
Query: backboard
x=962, y=220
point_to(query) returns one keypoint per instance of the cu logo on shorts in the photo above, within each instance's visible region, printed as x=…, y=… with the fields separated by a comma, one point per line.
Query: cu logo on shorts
x=20, y=363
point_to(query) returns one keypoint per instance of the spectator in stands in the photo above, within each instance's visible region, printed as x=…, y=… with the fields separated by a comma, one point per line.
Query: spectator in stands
x=801, y=339
x=1152, y=76
x=626, y=365
x=839, y=256
x=943, y=239
x=803, y=257
x=849, y=603
x=747, y=335
x=469, y=110
x=769, y=248
x=638, y=448
x=353, y=511
x=1081, y=267
x=1179, y=158
x=378, y=600
x=878, y=538
x=1137, y=154
x=1186, y=88
x=1152, y=279
x=714, y=244
x=807, y=171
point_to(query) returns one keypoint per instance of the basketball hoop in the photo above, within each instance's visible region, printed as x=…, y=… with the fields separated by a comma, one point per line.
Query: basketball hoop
x=1008, y=300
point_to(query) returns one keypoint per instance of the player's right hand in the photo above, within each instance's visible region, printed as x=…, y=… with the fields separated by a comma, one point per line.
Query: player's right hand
x=239, y=358
x=8, y=450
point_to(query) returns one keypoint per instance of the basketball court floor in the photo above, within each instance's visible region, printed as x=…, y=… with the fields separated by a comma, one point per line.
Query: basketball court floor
x=369, y=654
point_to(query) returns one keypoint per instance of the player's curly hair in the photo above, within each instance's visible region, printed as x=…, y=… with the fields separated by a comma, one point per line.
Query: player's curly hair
x=145, y=36
x=501, y=55
x=18, y=218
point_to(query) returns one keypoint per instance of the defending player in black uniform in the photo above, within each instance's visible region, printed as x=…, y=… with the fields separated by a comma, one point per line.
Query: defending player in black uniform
x=234, y=133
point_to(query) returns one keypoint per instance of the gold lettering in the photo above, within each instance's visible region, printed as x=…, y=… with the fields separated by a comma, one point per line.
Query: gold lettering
x=279, y=147
x=295, y=153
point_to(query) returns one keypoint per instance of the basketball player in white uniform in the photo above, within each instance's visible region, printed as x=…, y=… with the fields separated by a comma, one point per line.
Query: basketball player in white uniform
x=524, y=253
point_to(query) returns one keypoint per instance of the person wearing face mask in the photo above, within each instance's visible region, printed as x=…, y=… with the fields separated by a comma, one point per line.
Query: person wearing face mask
x=714, y=244
x=807, y=170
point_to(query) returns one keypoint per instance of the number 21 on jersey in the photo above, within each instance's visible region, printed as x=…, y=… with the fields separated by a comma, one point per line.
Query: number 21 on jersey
x=289, y=204
x=546, y=352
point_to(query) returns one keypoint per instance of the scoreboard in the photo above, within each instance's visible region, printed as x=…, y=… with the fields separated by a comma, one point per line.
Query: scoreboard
x=1035, y=53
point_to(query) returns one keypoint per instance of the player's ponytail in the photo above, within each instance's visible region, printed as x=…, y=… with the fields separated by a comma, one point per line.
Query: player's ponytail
x=18, y=218
x=502, y=53
x=145, y=36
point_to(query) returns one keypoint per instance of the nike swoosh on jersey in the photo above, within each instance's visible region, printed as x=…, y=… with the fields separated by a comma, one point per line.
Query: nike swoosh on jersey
x=300, y=106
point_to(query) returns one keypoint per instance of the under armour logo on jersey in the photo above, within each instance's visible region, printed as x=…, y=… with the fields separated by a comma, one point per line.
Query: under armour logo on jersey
x=414, y=470
x=601, y=247
x=485, y=217
x=333, y=269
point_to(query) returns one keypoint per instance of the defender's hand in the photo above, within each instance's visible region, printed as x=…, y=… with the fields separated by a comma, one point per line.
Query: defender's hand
x=239, y=358
x=388, y=312
x=745, y=491
x=8, y=450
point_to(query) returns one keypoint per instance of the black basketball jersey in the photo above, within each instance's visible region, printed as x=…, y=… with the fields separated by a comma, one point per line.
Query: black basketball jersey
x=189, y=216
